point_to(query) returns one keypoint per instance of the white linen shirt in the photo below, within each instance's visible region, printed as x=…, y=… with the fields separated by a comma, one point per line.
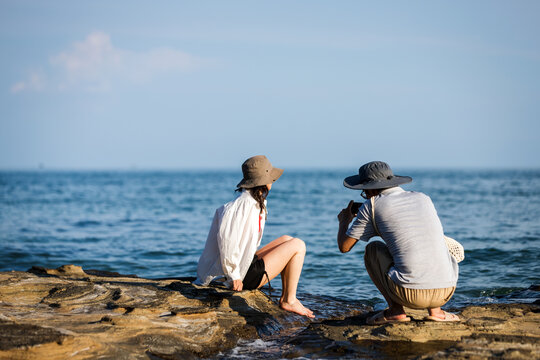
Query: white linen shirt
x=232, y=241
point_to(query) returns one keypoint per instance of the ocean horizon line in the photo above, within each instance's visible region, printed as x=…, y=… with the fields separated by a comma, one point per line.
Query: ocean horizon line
x=300, y=168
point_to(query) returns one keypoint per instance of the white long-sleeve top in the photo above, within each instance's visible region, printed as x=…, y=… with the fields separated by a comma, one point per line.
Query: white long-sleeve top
x=232, y=241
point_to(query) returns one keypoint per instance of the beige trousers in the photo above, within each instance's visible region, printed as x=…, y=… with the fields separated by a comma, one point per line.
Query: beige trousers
x=378, y=261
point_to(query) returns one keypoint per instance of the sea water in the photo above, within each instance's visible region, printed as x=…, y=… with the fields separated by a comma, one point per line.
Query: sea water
x=155, y=223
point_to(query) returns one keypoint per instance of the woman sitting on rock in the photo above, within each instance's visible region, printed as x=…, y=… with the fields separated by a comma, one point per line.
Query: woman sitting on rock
x=236, y=232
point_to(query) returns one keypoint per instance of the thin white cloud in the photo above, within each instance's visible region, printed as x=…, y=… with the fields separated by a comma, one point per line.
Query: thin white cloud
x=35, y=81
x=18, y=87
x=95, y=64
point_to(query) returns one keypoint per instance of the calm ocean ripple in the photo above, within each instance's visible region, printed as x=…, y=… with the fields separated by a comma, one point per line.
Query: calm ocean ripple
x=154, y=224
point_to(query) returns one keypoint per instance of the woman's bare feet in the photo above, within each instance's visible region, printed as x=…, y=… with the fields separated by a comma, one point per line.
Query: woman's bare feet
x=296, y=307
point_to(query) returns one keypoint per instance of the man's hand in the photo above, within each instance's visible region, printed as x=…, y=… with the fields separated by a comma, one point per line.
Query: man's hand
x=238, y=285
x=346, y=215
x=345, y=243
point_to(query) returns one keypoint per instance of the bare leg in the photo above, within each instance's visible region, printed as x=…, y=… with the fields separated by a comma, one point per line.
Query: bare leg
x=285, y=256
x=268, y=247
x=261, y=253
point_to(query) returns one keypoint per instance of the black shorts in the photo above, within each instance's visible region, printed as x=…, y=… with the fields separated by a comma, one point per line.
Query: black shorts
x=254, y=274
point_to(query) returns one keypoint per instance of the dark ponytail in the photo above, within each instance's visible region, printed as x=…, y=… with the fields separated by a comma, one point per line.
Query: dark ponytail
x=259, y=193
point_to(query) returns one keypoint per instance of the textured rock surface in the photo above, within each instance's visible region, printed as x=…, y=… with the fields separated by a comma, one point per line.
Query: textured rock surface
x=67, y=312
x=509, y=331
x=70, y=313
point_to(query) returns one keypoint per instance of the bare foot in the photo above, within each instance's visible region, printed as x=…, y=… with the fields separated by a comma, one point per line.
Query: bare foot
x=444, y=316
x=392, y=316
x=296, y=307
x=381, y=318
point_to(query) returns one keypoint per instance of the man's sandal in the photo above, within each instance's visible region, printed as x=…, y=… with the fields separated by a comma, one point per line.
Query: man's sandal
x=448, y=317
x=380, y=319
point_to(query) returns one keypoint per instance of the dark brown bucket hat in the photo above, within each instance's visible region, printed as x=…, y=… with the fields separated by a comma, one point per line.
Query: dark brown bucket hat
x=258, y=171
x=375, y=175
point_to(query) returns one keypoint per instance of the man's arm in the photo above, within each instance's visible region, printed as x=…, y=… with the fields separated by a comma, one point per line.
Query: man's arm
x=345, y=242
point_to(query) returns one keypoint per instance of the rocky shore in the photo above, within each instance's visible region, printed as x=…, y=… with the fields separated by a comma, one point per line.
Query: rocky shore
x=505, y=331
x=82, y=314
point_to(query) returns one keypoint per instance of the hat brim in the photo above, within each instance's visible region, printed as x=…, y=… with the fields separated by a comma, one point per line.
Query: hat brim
x=269, y=178
x=354, y=182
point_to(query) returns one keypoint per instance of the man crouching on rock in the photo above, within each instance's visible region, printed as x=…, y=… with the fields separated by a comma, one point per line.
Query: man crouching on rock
x=412, y=267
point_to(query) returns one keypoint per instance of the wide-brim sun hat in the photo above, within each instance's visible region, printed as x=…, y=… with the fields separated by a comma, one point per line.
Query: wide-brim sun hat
x=375, y=175
x=257, y=171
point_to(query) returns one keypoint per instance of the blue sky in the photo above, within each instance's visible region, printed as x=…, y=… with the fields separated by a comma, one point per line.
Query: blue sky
x=178, y=84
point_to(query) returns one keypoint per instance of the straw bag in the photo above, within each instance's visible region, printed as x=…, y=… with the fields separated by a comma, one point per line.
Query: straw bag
x=454, y=248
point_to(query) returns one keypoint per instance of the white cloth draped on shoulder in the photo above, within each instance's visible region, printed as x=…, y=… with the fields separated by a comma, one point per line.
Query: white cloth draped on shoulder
x=232, y=241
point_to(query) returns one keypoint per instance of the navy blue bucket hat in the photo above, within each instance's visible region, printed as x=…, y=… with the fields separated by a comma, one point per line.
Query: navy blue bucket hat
x=375, y=175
